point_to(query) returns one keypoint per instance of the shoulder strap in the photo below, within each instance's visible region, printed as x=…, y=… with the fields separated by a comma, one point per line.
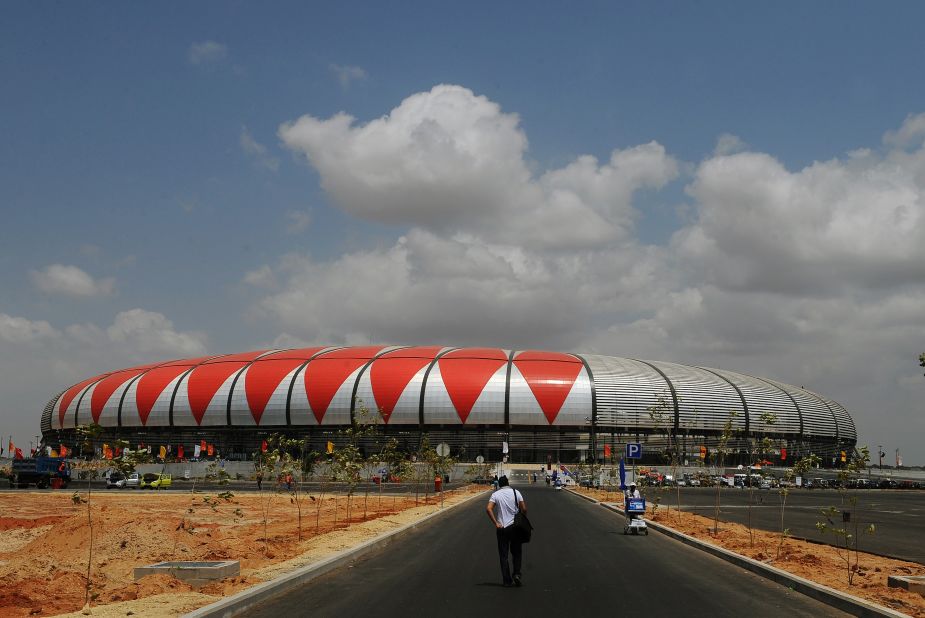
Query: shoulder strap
x=516, y=503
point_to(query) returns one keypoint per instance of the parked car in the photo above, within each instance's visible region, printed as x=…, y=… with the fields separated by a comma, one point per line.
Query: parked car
x=153, y=480
x=115, y=480
x=886, y=484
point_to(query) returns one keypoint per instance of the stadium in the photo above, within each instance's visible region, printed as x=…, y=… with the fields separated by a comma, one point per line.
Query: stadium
x=529, y=405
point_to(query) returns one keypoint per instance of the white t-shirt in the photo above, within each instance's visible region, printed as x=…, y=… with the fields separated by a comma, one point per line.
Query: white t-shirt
x=506, y=507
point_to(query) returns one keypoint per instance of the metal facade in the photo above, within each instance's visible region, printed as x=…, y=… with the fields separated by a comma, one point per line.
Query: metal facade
x=486, y=389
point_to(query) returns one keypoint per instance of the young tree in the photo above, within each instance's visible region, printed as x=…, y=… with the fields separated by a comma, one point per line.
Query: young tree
x=800, y=468
x=722, y=449
x=90, y=466
x=662, y=420
x=266, y=464
x=295, y=462
x=847, y=531
x=757, y=453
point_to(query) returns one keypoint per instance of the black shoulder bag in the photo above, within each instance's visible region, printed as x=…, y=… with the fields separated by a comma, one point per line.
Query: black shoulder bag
x=522, y=529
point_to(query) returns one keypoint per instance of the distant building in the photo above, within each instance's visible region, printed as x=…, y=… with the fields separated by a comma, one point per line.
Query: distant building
x=548, y=406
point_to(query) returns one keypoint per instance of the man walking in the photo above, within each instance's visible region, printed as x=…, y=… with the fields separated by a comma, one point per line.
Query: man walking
x=506, y=501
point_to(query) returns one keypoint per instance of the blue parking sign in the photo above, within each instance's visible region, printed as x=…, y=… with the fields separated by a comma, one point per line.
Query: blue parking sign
x=633, y=450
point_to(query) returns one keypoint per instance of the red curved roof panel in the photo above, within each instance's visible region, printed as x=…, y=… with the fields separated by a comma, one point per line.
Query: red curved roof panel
x=550, y=376
x=263, y=378
x=364, y=352
x=302, y=354
x=108, y=386
x=186, y=362
x=391, y=372
x=204, y=381
x=466, y=372
x=492, y=353
x=151, y=385
x=323, y=377
x=69, y=395
x=231, y=358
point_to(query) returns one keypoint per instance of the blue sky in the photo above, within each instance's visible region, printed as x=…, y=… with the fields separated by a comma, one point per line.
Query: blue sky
x=155, y=204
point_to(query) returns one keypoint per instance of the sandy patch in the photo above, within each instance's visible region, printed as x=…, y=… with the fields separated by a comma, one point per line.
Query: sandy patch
x=43, y=559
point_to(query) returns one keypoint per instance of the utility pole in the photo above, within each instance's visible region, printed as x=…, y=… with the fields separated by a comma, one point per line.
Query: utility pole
x=880, y=457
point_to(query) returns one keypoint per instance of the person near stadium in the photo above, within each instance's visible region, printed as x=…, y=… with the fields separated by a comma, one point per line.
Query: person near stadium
x=502, y=507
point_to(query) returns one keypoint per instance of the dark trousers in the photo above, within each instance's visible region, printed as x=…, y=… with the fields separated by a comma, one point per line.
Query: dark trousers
x=506, y=544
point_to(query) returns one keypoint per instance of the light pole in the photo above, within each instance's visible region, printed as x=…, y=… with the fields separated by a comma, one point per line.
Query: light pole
x=880, y=457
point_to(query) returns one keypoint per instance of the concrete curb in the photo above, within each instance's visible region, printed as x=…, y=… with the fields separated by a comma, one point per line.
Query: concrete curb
x=848, y=603
x=239, y=603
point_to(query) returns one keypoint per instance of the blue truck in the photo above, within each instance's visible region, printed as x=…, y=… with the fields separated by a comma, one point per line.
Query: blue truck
x=40, y=471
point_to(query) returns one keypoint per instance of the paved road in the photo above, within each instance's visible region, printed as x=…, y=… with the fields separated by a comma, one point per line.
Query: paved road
x=899, y=516
x=579, y=561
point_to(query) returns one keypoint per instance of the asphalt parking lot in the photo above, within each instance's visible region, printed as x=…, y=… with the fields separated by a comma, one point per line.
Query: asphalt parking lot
x=898, y=515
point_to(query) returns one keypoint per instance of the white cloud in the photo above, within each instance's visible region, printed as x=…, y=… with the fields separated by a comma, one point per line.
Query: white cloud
x=71, y=281
x=727, y=144
x=346, y=74
x=298, y=221
x=262, y=277
x=258, y=152
x=450, y=160
x=207, y=52
x=912, y=132
x=858, y=221
x=151, y=332
x=21, y=330
x=813, y=276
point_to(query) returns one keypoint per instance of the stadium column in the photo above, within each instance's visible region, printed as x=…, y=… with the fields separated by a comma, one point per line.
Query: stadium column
x=584, y=361
x=507, y=404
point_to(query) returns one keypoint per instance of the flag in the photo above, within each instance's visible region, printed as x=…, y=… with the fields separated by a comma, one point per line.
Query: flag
x=622, y=475
x=703, y=452
x=54, y=454
x=18, y=454
x=12, y=447
x=62, y=451
x=180, y=452
x=330, y=447
x=504, y=447
x=606, y=450
x=163, y=452
x=783, y=454
x=899, y=459
x=118, y=451
x=263, y=446
x=202, y=445
x=196, y=451
x=107, y=451
x=844, y=456
x=211, y=450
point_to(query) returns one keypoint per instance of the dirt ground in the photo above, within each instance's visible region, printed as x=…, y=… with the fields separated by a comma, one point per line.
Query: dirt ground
x=820, y=563
x=43, y=558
